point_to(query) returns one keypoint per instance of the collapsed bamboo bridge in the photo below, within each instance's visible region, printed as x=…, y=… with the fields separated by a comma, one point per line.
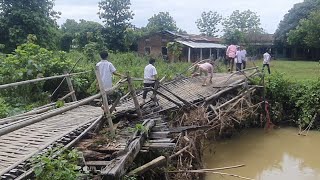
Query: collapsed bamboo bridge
x=28, y=135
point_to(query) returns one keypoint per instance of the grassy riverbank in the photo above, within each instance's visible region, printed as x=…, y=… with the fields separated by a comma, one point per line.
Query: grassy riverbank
x=297, y=70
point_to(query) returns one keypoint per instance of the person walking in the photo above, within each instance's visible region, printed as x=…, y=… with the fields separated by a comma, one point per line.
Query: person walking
x=207, y=69
x=231, y=54
x=238, y=60
x=107, y=70
x=243, y=57
x=150, y=76
x=266, y=61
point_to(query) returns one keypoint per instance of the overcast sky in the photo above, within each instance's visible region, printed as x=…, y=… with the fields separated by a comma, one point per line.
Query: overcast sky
x=184, y=12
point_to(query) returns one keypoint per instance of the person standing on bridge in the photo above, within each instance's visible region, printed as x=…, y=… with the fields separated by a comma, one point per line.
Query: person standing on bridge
x=107, y=70
x=231, y=54
x=207, y=69
x=238, y=59
x=150, y=76
x=243, y=57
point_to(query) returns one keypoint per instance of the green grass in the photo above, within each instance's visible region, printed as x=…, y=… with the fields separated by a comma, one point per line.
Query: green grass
x=293, y=70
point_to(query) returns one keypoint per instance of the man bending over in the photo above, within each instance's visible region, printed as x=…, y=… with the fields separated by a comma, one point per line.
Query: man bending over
x=207, y=69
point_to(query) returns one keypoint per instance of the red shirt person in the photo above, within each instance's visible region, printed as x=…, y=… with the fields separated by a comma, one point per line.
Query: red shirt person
x=231, y=54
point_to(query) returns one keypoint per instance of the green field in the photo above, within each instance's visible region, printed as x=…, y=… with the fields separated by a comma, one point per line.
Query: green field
x=293, y=70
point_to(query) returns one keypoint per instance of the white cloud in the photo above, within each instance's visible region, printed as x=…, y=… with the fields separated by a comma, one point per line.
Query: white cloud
x=185, y=12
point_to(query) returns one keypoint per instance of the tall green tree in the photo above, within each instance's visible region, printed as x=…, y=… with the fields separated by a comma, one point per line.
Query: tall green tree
x=307, y=32
x=161, y=22
x=243, y=21
x=239, y=24
x=291, y=19
x=20, y=18
x=80, y=34
x=208, y=22
x=116, y=15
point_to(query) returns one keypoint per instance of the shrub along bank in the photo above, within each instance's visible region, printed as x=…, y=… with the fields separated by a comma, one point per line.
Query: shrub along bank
x=294, y=103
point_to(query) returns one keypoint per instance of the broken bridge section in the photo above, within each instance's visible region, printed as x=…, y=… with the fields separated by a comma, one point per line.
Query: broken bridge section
x=188, y=89
x=19, y=144
x=179, y=93
x=17, y=147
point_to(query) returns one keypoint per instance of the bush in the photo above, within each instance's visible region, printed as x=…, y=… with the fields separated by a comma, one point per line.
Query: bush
x=4, y=108
x=30, y=61
x=297, y=103
x=63, y=167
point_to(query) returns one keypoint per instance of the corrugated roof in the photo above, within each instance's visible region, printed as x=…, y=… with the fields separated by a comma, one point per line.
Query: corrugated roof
x=202, y=44
x=194, y=37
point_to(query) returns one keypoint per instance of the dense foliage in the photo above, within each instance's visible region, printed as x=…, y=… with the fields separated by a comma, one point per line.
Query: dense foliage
x=294, y=103
x=292, y=18
x=30, y=61
x=208, y=22
x=307, y=32
x=78, y=35
x=18, y=19
x=65, y=166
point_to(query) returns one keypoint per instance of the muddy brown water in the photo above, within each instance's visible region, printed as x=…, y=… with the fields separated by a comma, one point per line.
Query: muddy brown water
x=277, y=155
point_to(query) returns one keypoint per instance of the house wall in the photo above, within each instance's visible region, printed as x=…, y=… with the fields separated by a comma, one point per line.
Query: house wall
x=155, y=42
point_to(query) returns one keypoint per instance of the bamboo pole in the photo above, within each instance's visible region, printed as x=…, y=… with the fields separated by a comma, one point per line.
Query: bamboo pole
x=134, y=96
x=70, y=86
x=27, y=115
x=216, y=95
x=160, y=161
x=210, y=170
x=105, y=102
x=150, y=165
x=67, y=95
x=4, y=86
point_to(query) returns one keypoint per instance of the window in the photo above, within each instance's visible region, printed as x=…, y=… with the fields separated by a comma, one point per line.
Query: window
x=147, y=50
x=164, y=51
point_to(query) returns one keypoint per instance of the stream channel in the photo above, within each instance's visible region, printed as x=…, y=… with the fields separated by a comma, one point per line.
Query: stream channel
x=279, y=154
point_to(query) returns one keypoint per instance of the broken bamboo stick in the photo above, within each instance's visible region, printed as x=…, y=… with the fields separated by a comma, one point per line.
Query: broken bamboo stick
x=70, y=86
x=105, y=103
x=159, y=161
x=134, y=96
x=4, y=86
x=150, y=165
x=210, y=170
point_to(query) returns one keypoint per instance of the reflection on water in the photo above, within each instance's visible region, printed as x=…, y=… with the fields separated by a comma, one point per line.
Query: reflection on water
x=276, y=155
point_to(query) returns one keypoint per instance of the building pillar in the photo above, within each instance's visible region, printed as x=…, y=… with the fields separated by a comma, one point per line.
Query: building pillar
x=210, y=53
x=189, y=55
x=200, y=53
x=218, y=53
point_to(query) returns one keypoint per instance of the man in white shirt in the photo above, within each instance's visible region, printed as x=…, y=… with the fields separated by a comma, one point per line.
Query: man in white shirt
x=243, y=57
x=150, y=75
x=106, y=70
x=238, y=60
x=266, y=61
